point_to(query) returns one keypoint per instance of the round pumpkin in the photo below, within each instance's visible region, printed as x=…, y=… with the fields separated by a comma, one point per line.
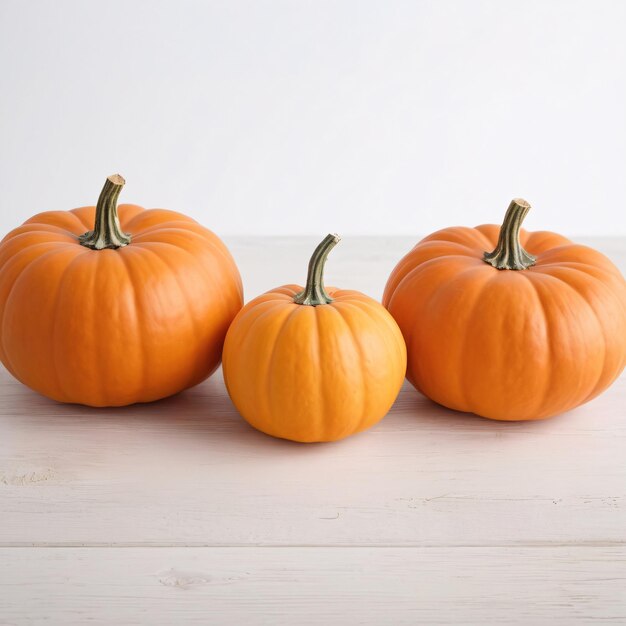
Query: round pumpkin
x=313, y=364
x=104, y=310
x=509, y=324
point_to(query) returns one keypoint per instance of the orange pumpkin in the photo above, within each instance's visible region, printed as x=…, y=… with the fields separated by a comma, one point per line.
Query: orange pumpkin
x=505, y=344
x=313, y=364
x=134, y=310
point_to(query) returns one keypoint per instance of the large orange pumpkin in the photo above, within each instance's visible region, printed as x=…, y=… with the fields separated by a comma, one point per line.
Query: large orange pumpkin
x=134, y=310
x=313, y=364
x=505, y=344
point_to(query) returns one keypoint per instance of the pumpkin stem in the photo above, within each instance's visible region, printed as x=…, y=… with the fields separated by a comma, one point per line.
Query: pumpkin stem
x=314, y=293
x=107, y=232
x=508, y=253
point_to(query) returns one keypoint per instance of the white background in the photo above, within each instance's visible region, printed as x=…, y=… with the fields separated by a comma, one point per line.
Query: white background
x=298, y=117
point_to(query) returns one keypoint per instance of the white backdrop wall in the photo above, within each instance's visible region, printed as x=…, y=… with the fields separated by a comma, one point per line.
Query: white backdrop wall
x=300, y=117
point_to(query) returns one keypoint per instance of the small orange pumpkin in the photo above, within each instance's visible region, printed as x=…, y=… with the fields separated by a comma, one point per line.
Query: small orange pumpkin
x=134, y=310
x=313, y=364
x=505, y=344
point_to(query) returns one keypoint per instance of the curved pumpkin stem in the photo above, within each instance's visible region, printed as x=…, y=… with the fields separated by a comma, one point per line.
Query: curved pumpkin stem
x=508, y=253
x=107, y=232
x=314, y=293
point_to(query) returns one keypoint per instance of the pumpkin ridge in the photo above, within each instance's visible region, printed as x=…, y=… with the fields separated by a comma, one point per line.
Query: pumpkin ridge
x=183, y=291
x=56, y=313
x=79, y=217
x=26, y=230
x=243, y=336
x=428, y=264
x=146, y=213
x=581, y=297
x=359, y=350
x=176, y=225
x=409, y=263
x=138, y=313
x=465, y=236
x=549, y=347
x=212, y=239
x=467, y=401
x=545, y=270
x=37, y=219
x=487, y=241
x=144, y=245
x=605, y=267
x=24, y=249
x=7, y=300
x=271, y=361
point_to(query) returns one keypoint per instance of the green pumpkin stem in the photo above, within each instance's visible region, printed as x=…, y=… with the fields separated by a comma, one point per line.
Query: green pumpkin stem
x=314, y=293
x=107, y=232
x=508, y=253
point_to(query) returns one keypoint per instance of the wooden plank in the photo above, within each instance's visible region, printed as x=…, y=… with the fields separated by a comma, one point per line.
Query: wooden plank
x=313, y=586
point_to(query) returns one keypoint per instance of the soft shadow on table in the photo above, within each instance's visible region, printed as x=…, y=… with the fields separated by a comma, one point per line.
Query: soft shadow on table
x=202, y=413
x=206, y=413
x=413, y=411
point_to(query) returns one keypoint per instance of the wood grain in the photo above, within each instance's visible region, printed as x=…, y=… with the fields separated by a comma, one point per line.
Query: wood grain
x=274, y=586
x=444, y=516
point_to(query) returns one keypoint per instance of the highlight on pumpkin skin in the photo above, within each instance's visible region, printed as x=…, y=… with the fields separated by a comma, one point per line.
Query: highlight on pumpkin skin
x=107, y=232
x=314, y=364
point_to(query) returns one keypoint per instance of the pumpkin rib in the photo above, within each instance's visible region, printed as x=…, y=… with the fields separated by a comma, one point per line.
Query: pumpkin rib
x=317, y=342
x=362, y=415
x=599, y=282
x=223, y=253
x=177, y=225
x=266, y=379
x=28, y=230
x=51, y=218
x=23, y=250
x=216, y=249
x=188, y=297
x=541, y=241
x=462, y=235
x=148, y=214
x=79, y=214
x=550, y=346
x=489, y=234
x=420, y=267
x=548, y=334
x=245, y=335
x=379, y=314
x=580, y=266
x=139, y=313
x=465, y=398
x=57, y=311
x=408, y=262
x=63, y=235
x=10, y=294
x=215, y=278
x=581, y=269
x=443, y=294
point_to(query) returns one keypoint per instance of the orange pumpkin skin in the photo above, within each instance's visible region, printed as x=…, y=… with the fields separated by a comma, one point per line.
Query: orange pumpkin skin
x=115, y=326
x=313, y=373
x=509, y=345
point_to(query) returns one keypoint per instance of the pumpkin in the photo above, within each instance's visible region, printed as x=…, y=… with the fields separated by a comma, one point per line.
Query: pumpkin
x=108, y=306
x=509, y=324
x=313, y=364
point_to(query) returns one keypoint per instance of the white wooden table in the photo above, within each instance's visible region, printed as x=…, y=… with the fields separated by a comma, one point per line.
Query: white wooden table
x=178, y=512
